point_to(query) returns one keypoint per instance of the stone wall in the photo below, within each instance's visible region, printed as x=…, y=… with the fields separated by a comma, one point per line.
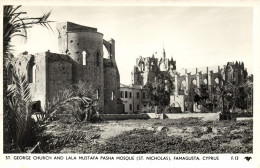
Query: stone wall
x=80, y=59
x=40, y=81
x=124, y=116
x=112, y=102
x=85, y=46
x=110, y=87
x=59, y=75
x=209, y=76
x=203, y=116
x=35, y=67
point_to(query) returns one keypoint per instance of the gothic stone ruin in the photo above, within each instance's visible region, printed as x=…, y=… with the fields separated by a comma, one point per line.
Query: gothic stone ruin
x=208, y=76
x=80, y=59
x=146, y=68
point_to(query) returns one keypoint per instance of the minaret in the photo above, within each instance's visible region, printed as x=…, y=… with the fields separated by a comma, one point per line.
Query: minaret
x=164, y=66
x=164, y=54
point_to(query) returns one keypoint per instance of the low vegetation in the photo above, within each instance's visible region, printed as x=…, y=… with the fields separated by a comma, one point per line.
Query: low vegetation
x=154, y=136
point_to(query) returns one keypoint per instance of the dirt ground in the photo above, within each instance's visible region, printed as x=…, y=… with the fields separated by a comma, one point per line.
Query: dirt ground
x=232, y=134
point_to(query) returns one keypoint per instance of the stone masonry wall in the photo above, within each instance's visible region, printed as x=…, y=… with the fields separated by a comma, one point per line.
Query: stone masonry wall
x=77, y=41
x=59, y=77
x=36, y=63
x=110, y=87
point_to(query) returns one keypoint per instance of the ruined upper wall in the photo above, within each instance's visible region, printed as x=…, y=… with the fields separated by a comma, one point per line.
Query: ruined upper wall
x=76, y=27
x=74, y=39
x=110, y=46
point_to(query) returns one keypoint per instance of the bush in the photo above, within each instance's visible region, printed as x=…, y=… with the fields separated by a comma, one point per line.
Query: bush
x=140, y=141
x=77, y=100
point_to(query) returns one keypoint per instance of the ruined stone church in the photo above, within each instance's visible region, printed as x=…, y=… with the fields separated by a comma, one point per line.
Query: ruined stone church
x=80, y=59
x=146, y=69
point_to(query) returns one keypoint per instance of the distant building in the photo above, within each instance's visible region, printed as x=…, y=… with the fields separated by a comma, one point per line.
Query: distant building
x=146, y=69
x=133, y=96
x=80, y=59
x=130, y=96
x=209, y=76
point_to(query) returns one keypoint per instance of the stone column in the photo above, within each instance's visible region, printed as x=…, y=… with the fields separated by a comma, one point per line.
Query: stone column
x=198, y=79
x=210, y=73
x=187, y=80
x=176, y=92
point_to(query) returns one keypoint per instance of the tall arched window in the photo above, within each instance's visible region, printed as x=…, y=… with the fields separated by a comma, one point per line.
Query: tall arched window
x=217, y=80
x=143, y=66
x=10, y=75
x=98, y=58
x=112, y=96
x=194, y=82
x=84, y=58
x=205, y=81
x=31, y=72
x=152, y=66
x=98, y=94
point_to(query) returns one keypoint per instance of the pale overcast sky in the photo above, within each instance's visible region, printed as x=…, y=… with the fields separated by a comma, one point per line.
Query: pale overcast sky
x=193, y=36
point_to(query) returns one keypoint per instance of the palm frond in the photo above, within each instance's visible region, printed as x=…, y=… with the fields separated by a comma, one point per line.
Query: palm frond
x=15, y=24
x=19, y=114
x=22, y=87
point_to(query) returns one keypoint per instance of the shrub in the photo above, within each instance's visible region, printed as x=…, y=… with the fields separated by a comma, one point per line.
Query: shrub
x=77, y=100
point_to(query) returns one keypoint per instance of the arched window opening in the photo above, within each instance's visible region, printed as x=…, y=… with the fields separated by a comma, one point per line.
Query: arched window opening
x=216, y=80
x=98, y=94
x=183, y=85
x=152, y=66
x=98, y=58
x=10, y=71
x=143, y=66
x=34, y=74
x=84, y=58
x=106, y=53
x=194, y=82
x=205, y=81
x=31, y=73
x=112, y=96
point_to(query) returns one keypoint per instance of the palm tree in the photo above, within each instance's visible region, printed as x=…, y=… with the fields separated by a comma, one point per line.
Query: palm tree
x=16, y=24
x=17, y=114
x=80, y=93
x=18, y=124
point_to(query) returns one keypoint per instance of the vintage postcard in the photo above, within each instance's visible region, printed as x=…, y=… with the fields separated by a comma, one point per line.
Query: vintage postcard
x=148, y=84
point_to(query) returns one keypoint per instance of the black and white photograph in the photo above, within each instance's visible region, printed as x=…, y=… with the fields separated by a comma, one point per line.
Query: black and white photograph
x=142, y=79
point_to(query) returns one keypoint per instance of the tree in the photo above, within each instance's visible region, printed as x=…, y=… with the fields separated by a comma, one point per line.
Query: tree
x=160, y=90
x=17, y=110
x=202, y=96
x=231, y=94
x=18, y=124
x=248, y=87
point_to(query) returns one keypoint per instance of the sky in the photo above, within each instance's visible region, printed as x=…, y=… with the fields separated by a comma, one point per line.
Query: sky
x=193, y=36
